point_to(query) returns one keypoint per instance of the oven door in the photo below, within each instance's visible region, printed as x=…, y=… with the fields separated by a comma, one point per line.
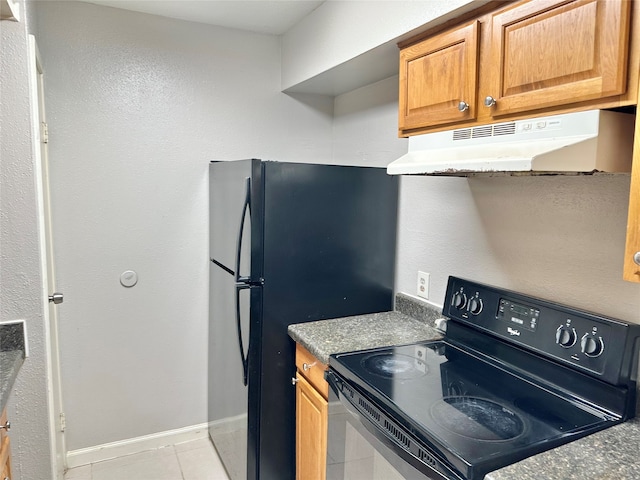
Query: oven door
x=359, y=449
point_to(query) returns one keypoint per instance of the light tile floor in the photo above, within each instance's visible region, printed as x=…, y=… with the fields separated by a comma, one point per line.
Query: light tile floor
x=196, y=460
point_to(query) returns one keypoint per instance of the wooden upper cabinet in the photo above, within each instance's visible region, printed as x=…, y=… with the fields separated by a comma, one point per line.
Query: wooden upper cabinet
x=438, y=79
x=532, y=57
x=550, y=53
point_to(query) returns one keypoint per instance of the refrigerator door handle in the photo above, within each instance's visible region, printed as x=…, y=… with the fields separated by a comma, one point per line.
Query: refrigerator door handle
x=223, y=267
x=245, y=208
x=242, y=282
x=243, y=357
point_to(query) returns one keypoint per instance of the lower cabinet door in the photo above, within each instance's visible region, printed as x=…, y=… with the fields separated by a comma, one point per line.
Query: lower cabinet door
x=311, y=432
x=5, y=459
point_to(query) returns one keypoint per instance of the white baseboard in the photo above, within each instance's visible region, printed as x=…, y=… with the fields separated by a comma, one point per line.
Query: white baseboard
x=107, y=451
x=229, y=424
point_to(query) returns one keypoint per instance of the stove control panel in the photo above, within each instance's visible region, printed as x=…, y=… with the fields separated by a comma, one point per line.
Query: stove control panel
x=597, y=345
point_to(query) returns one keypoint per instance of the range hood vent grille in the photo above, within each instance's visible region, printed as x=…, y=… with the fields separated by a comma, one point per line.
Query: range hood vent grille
x=484, y=131
x=463, y=134
x=505, y=129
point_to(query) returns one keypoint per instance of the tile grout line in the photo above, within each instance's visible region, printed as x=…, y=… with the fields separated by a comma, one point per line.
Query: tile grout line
x=179, y=463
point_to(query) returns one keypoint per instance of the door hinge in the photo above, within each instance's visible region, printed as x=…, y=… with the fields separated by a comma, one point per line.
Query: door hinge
x=45, y=132
x=63, y=422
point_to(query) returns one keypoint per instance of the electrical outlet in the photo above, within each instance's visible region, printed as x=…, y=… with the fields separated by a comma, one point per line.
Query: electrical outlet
x=423, y=285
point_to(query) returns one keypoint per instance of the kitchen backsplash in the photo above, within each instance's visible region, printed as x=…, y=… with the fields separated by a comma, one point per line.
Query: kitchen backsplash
x=417, y=309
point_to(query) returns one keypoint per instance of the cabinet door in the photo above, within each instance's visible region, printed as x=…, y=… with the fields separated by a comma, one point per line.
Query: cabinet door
x=557, y=52
x=5, y=449
x=311, y=432
x=436, y=75
x=5, y=459
x=312, y=369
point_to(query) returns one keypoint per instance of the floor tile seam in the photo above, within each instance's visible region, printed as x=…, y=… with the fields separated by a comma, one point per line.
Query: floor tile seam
x=182, y=474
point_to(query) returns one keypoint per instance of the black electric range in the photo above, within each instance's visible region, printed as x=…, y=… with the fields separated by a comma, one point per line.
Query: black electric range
x=513, y=376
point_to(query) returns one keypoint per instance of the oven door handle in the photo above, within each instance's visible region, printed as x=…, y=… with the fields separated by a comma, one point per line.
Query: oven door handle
x=428, y=460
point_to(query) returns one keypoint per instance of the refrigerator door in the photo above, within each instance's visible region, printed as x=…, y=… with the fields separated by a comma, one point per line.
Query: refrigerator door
x=329, y=240
x=228, y=193
x=227, y=394
x=229, y=310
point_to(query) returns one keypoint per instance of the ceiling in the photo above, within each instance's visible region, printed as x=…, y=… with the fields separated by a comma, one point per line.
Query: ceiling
x=262, y=16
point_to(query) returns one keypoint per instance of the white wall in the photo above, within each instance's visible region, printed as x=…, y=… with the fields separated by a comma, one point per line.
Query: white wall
x=20, y=275
x=365, y=125
x=340, y=31
x=560, y=238
x=137, y=106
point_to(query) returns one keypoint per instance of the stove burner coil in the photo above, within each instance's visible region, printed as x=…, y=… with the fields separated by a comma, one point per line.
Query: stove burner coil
x=477, y=418
x=392, y=365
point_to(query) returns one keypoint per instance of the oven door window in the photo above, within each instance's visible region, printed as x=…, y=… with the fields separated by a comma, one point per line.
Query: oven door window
x=354, y=453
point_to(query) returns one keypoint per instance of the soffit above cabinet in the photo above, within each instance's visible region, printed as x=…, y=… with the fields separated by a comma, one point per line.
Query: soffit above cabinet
x=342, y=46
x=365, y=69
x=9, y=10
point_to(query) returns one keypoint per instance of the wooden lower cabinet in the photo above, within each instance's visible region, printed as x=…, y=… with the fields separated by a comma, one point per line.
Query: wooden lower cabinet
x=311, y=417
x=5, y=450
x=311, y=432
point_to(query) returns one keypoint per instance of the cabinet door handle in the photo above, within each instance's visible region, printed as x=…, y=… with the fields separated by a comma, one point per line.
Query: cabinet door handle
x=636, y=258
x=6, y=426
x=307, y=366
x=463, y=106
x=489, y=101
x=294, y=380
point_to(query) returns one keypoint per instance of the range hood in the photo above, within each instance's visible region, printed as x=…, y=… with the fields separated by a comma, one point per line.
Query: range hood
x=570, y=144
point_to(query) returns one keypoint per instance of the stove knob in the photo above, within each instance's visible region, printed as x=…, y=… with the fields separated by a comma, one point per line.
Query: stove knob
x=591, y=346
x=475, y=305
x=566, y=336
x=459, y=300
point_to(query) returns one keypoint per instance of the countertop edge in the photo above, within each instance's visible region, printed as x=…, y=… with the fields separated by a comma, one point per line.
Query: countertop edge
x=412, y=321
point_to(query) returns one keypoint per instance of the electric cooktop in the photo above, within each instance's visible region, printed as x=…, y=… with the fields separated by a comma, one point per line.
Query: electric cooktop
x=514, y=376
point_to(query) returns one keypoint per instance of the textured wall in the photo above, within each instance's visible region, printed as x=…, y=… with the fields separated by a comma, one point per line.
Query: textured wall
x=20, y=278
x=137, y=106
x=560, y=238
x=365, y=125
x=339, y=31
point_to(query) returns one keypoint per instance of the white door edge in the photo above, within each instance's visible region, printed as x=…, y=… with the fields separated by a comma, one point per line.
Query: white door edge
x=54, y=394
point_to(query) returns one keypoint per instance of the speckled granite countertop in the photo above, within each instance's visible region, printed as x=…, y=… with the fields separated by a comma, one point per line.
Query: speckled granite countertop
x=11, y=358
x=360, y=332
x=612, y=454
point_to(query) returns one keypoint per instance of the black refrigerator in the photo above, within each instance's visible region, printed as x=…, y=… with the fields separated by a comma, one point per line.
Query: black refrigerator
x=289, y=243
